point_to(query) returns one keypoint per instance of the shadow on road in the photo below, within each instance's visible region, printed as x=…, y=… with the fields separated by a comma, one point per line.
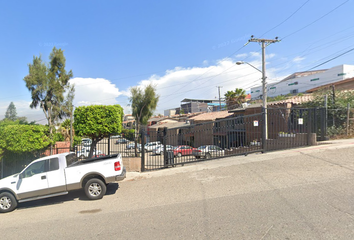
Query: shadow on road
x=71, y=196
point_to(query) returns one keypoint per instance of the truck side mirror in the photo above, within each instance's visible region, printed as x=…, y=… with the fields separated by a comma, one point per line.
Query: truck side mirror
x=20, y=176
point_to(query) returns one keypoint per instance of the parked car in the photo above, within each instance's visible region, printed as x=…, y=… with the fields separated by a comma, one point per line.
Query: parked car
x=131, y=145
x=122, y=141
x=84, y=152
x=159, y=149
x=151, y=146
x=208, y=151
x=183, y=150
x=116, y=136
x=86, y=142
x=57, y=175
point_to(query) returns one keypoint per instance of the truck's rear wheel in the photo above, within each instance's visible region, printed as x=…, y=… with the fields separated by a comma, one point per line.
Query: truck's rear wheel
x=95, y=189
x=7, y=202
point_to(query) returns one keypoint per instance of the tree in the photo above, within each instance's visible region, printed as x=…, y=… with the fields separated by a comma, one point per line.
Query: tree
x=97, y=122
x=11, y=113
x=22, y=143
x=234, y=99
x=47, y=85
x=336, y=107
x=143, y=104
x=68, y=109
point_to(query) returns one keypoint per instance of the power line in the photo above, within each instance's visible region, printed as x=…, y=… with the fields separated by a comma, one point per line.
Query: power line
x=315, y=20
x=286, y=18
x=331, y=59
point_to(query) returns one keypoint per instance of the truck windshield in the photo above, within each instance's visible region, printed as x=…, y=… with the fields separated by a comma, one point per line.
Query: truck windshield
x=71, y=158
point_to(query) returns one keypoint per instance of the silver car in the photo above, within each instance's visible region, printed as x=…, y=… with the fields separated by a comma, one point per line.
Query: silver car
x=149, y=147
x=159, y=149
x=208, y=151
x=131, y=145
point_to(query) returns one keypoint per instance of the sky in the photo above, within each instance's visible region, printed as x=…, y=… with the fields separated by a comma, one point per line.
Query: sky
x=184, y=48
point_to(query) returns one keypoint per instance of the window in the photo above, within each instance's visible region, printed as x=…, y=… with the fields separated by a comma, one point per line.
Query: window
x=294, y=91
x=35, y=168
x=315, y=79
x=70, y=159
x=341, y=74
x=294, y=83
x=53, y=164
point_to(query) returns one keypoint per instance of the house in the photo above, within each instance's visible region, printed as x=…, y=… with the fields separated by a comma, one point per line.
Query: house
x=203, y=128
x=128, y=121
x=156, y=132
x=280, y=117
x=346, y=84
x=301, y=82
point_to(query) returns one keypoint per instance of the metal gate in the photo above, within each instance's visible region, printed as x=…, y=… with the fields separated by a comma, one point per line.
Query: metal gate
x=241, y=135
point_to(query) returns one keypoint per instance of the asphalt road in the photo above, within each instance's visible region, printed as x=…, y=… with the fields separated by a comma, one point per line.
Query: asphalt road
x=296, y=194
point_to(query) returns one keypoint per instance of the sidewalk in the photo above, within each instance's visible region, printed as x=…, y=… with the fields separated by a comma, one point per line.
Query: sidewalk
x=236, y=160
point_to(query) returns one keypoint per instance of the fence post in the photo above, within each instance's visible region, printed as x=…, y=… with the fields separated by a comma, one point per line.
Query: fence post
x=164, y=147
x=323, y=119
x=348, y=115
x=264, y=130
x=2, y=168
x=324, y=127
x=142, y=133
x=309, y=125
x=109, y=144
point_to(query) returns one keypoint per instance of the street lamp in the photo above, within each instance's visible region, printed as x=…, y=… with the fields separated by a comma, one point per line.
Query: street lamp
x=264, y=96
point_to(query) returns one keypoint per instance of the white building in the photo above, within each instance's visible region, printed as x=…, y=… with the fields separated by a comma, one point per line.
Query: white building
x=301, y=81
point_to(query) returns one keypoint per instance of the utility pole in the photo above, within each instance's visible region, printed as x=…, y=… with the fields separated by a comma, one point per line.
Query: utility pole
x=219, y=97
x=265, y=43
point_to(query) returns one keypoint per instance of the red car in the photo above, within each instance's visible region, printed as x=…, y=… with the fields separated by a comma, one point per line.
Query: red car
x=183, y=150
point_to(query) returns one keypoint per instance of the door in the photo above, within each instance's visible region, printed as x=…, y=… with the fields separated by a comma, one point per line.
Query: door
x=55, y=176
x=33, y=181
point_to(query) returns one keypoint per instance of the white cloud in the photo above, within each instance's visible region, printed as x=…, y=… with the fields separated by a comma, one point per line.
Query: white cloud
x=298, y=59
x=23, y=110
x=202, y=82
x=242, y=55
x=172, y=87
x=88, y=91
x=94, y=91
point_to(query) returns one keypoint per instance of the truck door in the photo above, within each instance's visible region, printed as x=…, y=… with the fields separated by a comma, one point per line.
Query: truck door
x=33, y=181
x=55, y=176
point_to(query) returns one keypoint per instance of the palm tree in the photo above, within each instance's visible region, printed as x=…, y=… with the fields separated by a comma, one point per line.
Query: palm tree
x=234, y=99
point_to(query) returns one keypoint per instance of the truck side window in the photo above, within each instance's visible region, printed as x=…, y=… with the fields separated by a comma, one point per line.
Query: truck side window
x=35, y=168
x=53, y=164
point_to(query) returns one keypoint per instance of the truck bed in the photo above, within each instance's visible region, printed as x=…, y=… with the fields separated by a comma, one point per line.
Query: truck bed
x=90, y=160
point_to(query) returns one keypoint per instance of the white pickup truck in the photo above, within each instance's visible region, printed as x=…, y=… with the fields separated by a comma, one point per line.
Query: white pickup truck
x=57, y=175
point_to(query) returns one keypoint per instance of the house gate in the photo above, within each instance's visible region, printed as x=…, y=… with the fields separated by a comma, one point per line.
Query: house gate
x=287, y=128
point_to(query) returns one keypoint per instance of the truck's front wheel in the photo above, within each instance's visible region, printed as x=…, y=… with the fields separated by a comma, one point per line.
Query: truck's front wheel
x=95, y=189
x=7, y=202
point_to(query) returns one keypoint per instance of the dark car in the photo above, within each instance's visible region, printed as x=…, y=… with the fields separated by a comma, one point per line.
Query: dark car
x=122, y=141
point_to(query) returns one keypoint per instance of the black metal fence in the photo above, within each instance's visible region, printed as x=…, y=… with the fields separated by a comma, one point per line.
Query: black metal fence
x=107, y=146
x=241, y=135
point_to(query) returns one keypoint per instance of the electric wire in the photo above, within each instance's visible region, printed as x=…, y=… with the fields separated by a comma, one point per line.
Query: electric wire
x=323, y=16
x=286, y=18
x=199, y=77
